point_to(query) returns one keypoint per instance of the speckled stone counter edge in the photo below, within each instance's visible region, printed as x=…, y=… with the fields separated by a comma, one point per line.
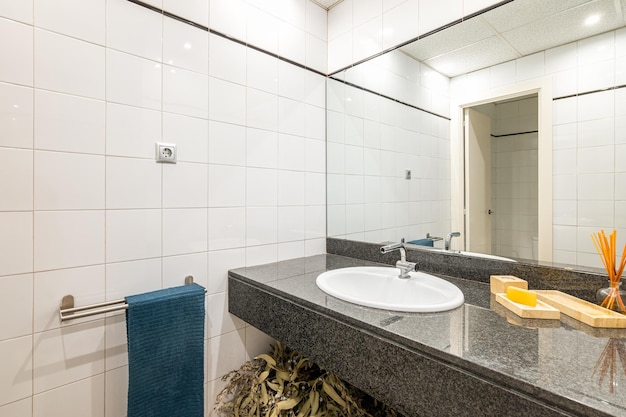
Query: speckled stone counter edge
x=410, y=380
x=577, y=283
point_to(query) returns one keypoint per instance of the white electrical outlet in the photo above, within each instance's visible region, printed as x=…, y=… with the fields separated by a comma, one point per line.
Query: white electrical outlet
x=166, y=152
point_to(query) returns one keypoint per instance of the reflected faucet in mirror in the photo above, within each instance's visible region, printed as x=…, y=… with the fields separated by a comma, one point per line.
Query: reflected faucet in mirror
x=449, y=236
x=404, y=266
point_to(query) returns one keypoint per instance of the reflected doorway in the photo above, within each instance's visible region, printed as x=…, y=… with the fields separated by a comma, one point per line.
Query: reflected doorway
x=501, y=177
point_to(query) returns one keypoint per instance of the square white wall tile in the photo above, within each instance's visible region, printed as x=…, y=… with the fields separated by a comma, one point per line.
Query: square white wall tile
x=262, y=110
x=189, y=134
x=16, y=57
x=316, y=20
x=290, y=41
x=68, y=65
x=82, y=398
x=290, y=250
x=225, y=352
x=16, y=310
x=116, y=392
x=291, y=116
x=227, y=144
x=597, y=132
x=291, y=188
x=291, y=224
x=368, y=39
x=227, y=102
x=132, y=131
x=68, y=238
x=227, y=60
x=66, y=355
x=85, y=284
x=21, y=10
x=596, y=106
x=185, y=185
x=17, y=187
x=227, y=228
x=316, y=54
x=16, y=118
x=261, y=148
x=315, y=151
x=227, y=186
x=291, y=81
x=132, y=183
x=399, y=22
x=596, y=186
x=68, y=181
x=261, y=187
x=176, y=268
x=134, y=277
x=261, y=254
x=219, y=320
x=314, y=222
x=16, y=377
x=219, y=264
x=314, y=189
x=116, y=354
x=262, y=71
x=596, y=214
x=185, y=92
x=86, y=20
x=16, y=242
x=22, y=408
x=262, y=30
x=69, y=123
x=185, y=46
x=229, y=17
x=184, y=231
x=196, y=10
x=133, y=234
x=134, y=29
x=133, y=80
x=261, y=225
x=257, y=342
x=291, y=152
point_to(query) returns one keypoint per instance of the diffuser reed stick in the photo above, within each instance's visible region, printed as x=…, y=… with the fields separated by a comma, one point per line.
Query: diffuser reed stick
x=606, y=248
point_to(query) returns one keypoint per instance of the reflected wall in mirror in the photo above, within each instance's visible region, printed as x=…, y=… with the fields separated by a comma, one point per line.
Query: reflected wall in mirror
x=394, y=114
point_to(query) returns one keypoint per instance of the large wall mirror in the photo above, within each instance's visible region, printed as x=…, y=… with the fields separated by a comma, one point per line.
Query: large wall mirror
x=508, y=128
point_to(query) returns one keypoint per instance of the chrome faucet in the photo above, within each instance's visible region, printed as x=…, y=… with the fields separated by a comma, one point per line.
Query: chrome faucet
x=404, y=266
x=449, y=236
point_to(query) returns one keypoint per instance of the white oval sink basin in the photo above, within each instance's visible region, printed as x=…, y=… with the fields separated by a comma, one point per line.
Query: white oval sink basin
x=380, y=287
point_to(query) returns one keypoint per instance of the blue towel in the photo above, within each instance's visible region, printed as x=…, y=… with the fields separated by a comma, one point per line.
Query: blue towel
x=165, y=330
x=422, y=242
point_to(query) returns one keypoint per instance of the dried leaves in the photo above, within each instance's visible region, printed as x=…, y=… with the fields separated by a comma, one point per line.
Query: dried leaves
x=286, y=384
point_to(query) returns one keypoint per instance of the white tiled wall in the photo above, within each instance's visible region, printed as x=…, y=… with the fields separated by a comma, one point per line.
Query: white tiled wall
x=373, y=140
x=589, y=136
x=514, y=179
x=86, y=89
x=359, y=29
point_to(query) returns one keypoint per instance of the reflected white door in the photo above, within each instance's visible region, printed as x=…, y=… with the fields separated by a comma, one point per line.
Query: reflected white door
x=477, y=181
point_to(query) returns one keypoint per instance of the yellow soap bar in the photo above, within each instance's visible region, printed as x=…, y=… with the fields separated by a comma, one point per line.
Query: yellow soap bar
x=521, y=296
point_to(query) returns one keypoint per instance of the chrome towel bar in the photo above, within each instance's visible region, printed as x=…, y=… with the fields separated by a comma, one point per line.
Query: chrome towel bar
x=67, y=311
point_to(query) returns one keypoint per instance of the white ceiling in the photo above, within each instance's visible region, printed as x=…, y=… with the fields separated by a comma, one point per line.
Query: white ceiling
x=516, y=29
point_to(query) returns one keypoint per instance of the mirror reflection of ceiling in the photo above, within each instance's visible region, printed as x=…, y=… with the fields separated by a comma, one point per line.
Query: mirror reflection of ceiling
x=514, y=30
x=327, y=4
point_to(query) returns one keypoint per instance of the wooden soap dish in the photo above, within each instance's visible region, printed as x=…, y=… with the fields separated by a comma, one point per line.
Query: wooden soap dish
x=540, y=311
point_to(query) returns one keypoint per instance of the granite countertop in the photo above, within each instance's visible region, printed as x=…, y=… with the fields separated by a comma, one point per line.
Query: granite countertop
x=560, y=366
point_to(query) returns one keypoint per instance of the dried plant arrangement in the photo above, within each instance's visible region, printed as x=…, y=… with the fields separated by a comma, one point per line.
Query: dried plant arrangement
x=286, y=384
x=607, y=249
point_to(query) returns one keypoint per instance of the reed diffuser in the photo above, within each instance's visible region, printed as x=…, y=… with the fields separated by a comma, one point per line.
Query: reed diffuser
x=611, y=297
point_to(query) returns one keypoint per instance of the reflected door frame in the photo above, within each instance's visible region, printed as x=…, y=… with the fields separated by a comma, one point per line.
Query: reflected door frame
x=543, y=88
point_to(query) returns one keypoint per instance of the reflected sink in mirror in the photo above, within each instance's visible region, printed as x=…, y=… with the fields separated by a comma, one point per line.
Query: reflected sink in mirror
x=380, y=287
x=487, y=256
